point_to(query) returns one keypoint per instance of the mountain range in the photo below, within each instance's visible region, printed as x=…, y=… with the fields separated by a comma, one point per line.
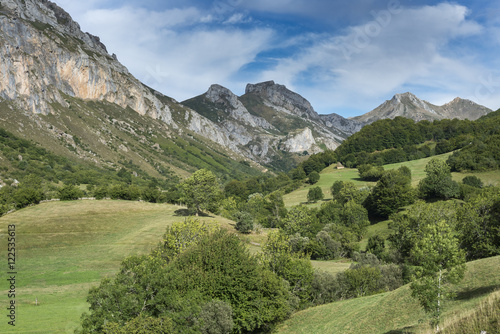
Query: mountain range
x=61, y=88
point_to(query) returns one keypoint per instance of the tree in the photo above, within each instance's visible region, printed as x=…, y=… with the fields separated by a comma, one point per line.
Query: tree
x=300, y=219
x=473, y=181
x=69, y=193
x=440, y=261
x=348, y=192
x=479, y=226
x=295, y=268
x=313, y=177
x=391, y=192
x=201, y=191
x=244, y=222
x=376, y=245
x=438, y=182
x=355, y=217
x=315, y=194
x=182, y=287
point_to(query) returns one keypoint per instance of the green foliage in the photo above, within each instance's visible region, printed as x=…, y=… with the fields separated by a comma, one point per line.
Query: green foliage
x=216, y=317
x=295, y=268
x=370, y=173
x=141, y=325
x=390, y=141
x=392, y=192
x=376, y=245
x=244, y=222
x=473, y=181
x=482, y=154
x=201, y=191
x=315, y=194
x=69, y=193
x=182, y=235
x=440, y=261
x=197, y=278
x=313, y=177
x=346, y=191
x=355, y=217
x=479, y=226
x=408, y=225
x=300, y=219
x=438, y=182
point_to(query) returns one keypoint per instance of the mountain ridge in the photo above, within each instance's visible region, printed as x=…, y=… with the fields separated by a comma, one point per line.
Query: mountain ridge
x=410, y=106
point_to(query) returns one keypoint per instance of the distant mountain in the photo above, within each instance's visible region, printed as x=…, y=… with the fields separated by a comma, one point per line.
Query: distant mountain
x=268, y=121
x=409, y=106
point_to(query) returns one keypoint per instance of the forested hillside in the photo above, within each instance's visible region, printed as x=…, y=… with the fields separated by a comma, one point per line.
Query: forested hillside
x=400, y=139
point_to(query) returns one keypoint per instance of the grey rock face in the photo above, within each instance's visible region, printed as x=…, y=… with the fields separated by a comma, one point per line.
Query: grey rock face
x=335, y=121
x=409, y=106
x=281, y=97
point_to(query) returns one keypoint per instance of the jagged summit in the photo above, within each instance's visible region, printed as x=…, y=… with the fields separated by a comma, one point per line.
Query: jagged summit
x=410, y=106
x=281, y=96
x=51, y=14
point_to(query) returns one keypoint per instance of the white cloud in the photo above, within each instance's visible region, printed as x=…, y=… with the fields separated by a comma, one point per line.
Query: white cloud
x=408, y=48
x=172, y=50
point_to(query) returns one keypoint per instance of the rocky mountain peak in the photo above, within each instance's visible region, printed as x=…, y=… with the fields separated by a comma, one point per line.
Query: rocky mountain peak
x=281, y=97
x=409, y=106
x=47, y=12
x=219, y=94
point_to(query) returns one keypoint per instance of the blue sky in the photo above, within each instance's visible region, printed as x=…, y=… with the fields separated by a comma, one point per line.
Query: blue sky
x=346, y=57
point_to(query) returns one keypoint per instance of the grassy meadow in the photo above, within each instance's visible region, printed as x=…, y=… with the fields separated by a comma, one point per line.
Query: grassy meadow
x=64, y=248
x=395, y=312
x=331, y=174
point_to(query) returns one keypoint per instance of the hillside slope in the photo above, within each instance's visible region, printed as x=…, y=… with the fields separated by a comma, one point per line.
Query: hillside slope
x=395, y=311
x=65, y=248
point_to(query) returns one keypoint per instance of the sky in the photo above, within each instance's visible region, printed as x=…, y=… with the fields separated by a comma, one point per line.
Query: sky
x=345, y=57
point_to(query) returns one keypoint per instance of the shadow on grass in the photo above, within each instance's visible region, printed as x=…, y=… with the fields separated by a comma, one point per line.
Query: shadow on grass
x=189, y=213
x=477, y=292
x=405, y=330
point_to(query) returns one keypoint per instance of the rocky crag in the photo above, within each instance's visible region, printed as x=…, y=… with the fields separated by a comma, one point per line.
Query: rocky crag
x=409, y=106
x=267, y=119
x=46, y=58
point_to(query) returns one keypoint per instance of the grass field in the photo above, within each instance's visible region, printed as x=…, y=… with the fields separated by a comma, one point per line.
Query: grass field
x=64, y=248
x=396, y=311
x=417, y=167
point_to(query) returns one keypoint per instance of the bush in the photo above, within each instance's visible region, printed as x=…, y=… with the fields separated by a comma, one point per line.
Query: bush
x=315, y=194
x=376, y=245
x=70, y=193
x=244, y=223
x=313, y=177
x=473, y=181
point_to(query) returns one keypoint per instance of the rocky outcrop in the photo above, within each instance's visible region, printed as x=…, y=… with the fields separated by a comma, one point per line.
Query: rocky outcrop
x=337, y=122
x=300, y=142
x=409, y=106
x=298, y=127
x=278, y=96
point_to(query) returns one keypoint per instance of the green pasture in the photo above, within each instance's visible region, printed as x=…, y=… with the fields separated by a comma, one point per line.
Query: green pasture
x=64, y=248
x=331, y=174
x=395, y=311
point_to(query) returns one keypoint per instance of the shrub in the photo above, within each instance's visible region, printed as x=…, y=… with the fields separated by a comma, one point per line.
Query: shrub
x=244, y=223
x=315, y=194
x=70, y=193
x=313, y=177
